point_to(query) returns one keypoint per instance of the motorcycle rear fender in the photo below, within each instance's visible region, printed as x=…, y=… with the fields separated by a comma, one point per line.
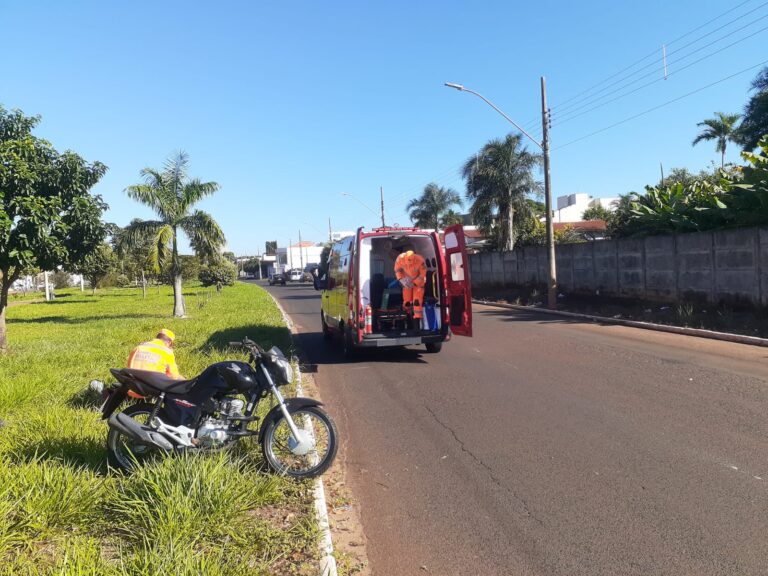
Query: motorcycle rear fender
x=114, y=400
x=290, y=403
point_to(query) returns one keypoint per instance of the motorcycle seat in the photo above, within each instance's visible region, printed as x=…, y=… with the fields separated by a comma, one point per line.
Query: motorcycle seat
x=159, y=381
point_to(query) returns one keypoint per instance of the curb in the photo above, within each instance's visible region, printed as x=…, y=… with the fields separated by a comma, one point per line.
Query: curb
x=327, y=560
x=698, y=332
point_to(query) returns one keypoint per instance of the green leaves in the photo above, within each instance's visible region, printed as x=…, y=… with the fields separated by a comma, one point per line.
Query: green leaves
x=171, y=195
x=499, y=181
x=729, y=199
x=47, y=215
x=433, y=208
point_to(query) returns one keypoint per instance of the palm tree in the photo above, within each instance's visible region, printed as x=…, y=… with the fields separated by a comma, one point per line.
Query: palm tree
x=722, y=128
x=499, y=181
x=171, y=194
x=754, y=126
x=433, y=206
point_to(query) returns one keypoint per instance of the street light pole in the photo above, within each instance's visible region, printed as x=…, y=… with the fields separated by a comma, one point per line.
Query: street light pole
x=544, y=146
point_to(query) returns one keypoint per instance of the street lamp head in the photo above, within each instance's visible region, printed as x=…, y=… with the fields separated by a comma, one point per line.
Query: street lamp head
x=452, y=85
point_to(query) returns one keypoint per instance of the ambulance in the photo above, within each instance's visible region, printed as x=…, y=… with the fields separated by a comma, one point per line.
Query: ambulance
x=362, y=301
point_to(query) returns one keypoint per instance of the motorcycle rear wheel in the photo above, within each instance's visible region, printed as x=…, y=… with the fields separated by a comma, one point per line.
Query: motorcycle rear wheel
x=277, y=453
x=123, y=453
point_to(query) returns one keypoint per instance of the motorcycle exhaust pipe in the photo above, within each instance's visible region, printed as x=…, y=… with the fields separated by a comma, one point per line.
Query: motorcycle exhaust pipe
x=128, y=426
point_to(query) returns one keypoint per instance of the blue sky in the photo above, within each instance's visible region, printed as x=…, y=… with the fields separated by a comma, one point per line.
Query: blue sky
x=289, y=105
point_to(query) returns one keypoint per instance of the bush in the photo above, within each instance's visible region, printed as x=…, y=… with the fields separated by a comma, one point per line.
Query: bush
x=61, y=279
x=122, y=281
x=219, y=273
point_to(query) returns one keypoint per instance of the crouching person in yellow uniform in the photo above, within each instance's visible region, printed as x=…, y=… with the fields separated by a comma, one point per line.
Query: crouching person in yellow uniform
x=155, y=356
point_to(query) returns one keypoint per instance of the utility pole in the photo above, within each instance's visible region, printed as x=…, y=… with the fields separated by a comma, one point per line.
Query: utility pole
x=301, y=255
x=381, y=190
x=552, y=275
x=544, y=145
x=330, y=233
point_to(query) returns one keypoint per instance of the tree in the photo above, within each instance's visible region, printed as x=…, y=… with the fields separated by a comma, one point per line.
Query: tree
x=252, y=266
x=97, y=265
x=218, y=273
x=270, y=247
x=430, y=209
x=229, y=256
x=135, y=257
x=499, y=181
x=190, y=266
x=721, y=128
x=61, y=279
x=617, y=223
x=596, y=212
x=47, y=215
x=755, y=122
x=325, y=254
x=171, y=194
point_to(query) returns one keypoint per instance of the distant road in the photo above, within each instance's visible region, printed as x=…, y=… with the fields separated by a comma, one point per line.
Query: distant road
x=547, y=446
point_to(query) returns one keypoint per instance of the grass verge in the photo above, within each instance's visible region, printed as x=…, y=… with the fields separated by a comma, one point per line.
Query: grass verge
x=63, y=512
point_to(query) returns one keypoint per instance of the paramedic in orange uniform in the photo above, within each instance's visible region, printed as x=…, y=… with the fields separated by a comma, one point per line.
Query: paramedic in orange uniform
x=411, y=272
x=155, y=356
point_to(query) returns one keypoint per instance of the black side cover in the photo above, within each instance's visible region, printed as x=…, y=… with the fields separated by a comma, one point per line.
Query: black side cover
x=115, y=399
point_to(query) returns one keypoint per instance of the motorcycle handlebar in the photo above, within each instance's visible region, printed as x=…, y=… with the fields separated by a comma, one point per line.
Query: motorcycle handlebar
x=248, y=344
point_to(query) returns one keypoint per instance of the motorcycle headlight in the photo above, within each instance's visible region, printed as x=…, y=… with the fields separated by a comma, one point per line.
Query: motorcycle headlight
x=281, y=366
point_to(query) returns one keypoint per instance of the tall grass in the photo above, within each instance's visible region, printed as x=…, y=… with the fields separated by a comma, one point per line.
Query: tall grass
x=63, y=512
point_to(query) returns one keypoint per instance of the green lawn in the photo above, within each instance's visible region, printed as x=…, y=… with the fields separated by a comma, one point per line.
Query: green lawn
x=63, y=512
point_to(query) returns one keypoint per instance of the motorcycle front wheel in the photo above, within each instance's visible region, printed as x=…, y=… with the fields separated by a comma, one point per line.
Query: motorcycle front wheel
x=123, y=452
x=277, y=442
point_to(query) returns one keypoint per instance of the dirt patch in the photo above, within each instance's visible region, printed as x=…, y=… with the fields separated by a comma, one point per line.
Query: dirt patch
x=13, y=303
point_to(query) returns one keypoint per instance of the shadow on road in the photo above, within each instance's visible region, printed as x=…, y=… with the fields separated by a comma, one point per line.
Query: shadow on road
x=315, y=350
x=534, y=316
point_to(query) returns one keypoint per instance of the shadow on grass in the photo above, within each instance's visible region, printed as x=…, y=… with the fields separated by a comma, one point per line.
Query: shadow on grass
x=80, y=320
x=265, y=336
x=85, y=452
x=85, y=399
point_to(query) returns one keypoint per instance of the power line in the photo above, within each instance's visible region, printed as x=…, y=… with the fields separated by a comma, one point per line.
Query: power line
x=649, y=110
x=595, y=98
x=577, y=115
x=655, y=52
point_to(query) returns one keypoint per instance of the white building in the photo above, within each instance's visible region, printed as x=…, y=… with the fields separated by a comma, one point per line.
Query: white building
x=571, y=208
x=299, y=255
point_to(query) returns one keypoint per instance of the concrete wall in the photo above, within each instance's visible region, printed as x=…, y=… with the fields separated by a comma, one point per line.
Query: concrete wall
x=721, y=266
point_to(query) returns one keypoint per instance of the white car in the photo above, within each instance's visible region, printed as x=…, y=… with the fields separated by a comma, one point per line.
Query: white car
x=295, y=275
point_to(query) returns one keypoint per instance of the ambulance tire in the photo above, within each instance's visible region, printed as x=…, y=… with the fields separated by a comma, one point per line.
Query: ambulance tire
x=327, y=334
x=434, y=347
x=349, y=348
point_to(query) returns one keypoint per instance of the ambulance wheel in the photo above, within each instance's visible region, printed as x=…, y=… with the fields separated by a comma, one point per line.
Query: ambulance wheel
x=434, y=347
x=327, y=334
x=350, y=350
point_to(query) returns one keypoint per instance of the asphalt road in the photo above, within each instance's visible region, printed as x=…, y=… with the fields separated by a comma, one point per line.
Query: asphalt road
x=547, y=446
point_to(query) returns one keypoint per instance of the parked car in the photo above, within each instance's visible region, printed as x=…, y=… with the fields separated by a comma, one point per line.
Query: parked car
x=277, y=278
x=362, y=302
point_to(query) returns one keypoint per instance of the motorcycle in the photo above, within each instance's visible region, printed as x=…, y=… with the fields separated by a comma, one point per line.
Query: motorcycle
x=297, y=437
